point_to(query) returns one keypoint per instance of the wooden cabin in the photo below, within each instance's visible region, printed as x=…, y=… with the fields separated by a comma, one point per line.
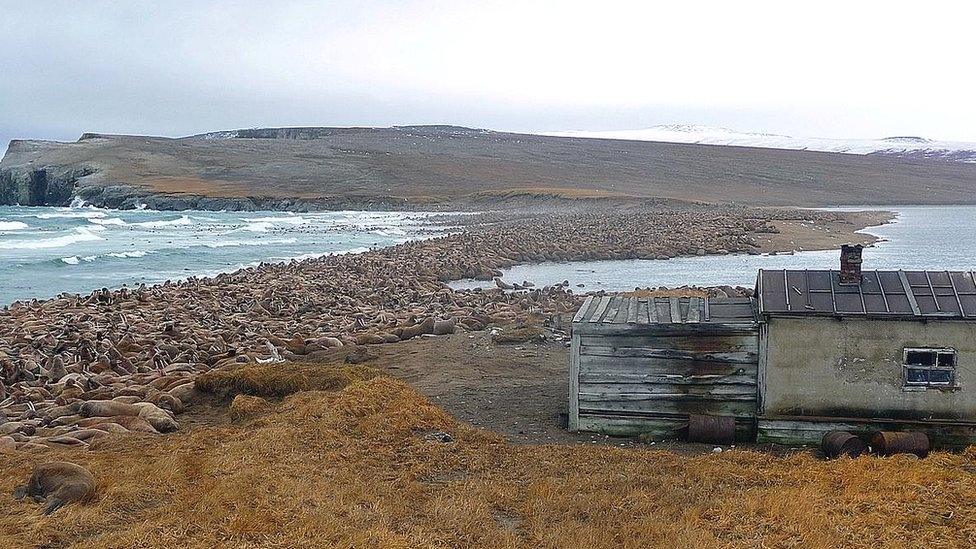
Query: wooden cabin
x=642, y=365
x=814, y=351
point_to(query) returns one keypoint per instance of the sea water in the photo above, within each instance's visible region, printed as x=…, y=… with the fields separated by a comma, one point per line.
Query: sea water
x=46, y=251
x=921, y=237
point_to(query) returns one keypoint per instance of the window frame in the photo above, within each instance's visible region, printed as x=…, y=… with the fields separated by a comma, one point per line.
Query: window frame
x=937, y=366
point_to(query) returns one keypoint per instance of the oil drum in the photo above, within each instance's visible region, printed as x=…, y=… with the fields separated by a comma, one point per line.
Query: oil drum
x=842, y=443
x=889, y=443
x=711, y=429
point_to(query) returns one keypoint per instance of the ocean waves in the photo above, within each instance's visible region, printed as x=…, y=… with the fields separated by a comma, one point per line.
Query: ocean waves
x=10, y=226
x=259, y=227
x=288, y=220
x=255, y=242
x=79, y=235
x=109, y=221
x=46, y=251
x=182, y=221
x=75, y=260
x=65, y=213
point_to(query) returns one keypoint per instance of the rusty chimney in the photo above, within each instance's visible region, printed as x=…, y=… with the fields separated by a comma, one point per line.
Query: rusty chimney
x=850, y=263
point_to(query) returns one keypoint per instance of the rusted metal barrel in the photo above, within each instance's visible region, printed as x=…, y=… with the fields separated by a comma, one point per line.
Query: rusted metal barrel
x=711, y=429
x=841, y=443
x=889, y=443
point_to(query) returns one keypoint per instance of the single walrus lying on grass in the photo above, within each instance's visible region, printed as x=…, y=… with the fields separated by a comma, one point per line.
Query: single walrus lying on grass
x=57, y=483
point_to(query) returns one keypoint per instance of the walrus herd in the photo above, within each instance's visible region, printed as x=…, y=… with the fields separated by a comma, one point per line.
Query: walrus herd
x=76, y=368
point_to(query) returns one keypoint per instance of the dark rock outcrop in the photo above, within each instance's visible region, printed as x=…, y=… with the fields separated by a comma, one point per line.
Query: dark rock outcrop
x=41, y=186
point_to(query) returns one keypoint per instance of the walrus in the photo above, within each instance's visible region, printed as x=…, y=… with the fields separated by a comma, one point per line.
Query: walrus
x=444, y=327
x=56, y=370
x=369, y=339
x=107, y=408
x=167, y=401
x=7, y=445
x=359, y=355
x=61, y=411
x=329, y=342
x=502, y=285
x=131, y=423
x=157, y=417
x=185, y=393
x=57, y=483
x=473, y=323
x=408, y=332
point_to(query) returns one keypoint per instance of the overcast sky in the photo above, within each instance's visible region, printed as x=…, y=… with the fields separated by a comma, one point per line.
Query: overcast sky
x=828, y=69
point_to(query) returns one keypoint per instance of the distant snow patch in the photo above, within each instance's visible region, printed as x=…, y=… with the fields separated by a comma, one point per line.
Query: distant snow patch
x=903, y=146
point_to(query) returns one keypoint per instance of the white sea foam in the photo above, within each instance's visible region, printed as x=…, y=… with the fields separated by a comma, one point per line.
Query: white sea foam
x=109, y=221
x=389, y=231
x=359, y=250
x=13, y=226
x=91, y=245
x=80, y=234
x=290, y=220
x=184, y=220
x=316, y=255
x=229, y=243
x=74, y=259
x=71, y=214
x=259, y=227
x=135, y=253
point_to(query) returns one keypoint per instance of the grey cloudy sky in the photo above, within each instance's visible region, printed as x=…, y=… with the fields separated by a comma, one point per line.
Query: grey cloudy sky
x=830, y=69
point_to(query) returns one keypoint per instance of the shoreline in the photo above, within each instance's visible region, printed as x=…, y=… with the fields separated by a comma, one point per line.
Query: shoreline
x=784, y=237
x=798, y=236
x=147, y=344
x=789, y=235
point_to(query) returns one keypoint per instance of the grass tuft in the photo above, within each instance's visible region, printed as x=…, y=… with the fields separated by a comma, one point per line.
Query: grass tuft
x=278, y=380
x=245, y=407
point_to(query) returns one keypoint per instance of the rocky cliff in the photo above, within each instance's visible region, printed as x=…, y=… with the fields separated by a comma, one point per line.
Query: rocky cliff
x=39, y=185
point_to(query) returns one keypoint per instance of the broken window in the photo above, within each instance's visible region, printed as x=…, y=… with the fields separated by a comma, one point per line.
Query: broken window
x=930, y=367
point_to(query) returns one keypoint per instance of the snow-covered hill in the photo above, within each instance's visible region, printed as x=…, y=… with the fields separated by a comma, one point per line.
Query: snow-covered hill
x=901, y=146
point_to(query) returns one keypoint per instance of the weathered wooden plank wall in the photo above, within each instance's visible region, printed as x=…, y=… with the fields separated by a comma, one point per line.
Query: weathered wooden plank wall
x=648, y=380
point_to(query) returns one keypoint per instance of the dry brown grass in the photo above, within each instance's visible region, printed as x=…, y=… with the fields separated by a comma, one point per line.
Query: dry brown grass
x=353, y=468
x=197, y=186
x=277, y=380
x=245, y=407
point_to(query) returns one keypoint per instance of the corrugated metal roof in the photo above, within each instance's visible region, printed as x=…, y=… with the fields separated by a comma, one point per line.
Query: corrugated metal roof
x=916, y=294
x=617, y=309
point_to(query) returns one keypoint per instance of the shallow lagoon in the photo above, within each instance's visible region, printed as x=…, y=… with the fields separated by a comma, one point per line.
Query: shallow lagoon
x=922, y=237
